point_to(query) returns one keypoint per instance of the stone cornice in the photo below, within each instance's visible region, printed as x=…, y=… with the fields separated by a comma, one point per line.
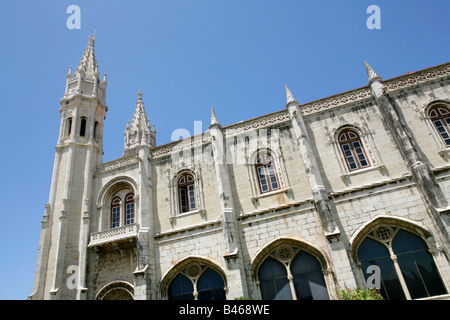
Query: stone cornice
x=359, y=95
x=417, y=78
x=117, y=164
x=180, y=145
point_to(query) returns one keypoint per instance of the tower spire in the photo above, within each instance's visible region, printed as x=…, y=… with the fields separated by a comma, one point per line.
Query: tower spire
x=139, y=132
x=88, y=64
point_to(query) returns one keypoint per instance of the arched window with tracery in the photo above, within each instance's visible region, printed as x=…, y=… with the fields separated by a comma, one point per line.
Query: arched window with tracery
x=266, y=172
x=197, y=282
x=129, y=208
x=353, y=150
x=440, y=117
x=186, y=193
x=291, y=273
x=407, y=268
x=115, y=212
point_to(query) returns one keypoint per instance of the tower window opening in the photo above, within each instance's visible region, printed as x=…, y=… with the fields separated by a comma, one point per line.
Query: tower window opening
x=83, y=127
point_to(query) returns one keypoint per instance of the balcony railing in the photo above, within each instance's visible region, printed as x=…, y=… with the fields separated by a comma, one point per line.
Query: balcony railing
x=114, y=235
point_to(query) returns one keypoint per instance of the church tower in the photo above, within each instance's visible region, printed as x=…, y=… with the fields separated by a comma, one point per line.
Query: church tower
x=61, y=262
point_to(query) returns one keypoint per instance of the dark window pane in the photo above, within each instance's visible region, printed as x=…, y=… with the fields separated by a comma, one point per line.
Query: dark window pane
x=274, y=284
x=318, y=287
x=371, y=249
x=302, y=288
x=83, y=127
x=429, y=273
x=210, y=280
x=371, y=252
x=405, y=241
x=283, y=289
x=308, y=278
x=181, y=289
x=211, y=286
x=412, y=277
x=418, y=268
x=391, y=288
x=271, y=269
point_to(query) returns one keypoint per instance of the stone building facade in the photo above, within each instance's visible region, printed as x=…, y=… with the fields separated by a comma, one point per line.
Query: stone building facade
x=296, y=204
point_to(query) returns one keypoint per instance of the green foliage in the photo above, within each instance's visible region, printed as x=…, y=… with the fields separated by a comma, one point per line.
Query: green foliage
x=360, y=294
x=242, y=298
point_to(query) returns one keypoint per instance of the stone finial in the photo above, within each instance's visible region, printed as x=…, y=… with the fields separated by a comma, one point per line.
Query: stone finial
x=139, y=132
x=69, y=73
x=289, y=96
x=91, y=41
x=371, y=73
x=213, y=117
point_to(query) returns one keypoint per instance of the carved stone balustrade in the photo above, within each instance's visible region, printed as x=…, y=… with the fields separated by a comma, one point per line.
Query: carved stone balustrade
x=116, y=238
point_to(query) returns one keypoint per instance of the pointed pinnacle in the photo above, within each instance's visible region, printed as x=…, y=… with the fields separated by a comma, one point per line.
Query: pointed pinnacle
x=213, y=117
x=289, y=96
x=371, y=73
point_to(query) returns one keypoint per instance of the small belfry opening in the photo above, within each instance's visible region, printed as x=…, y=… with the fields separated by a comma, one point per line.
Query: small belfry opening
x=68, y=127
x=83, y=127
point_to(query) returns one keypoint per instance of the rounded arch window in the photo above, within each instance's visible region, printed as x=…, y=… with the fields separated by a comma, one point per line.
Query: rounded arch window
x=129, y=208
x=123, y=209
x=117, y=290
x=408, y=270
x=115, y=212
x=440, y=117
x=266, y=172
x=353, y=149
x=186, y=193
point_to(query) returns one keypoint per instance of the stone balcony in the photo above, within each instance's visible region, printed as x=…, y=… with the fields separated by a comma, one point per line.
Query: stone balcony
x=116, y=238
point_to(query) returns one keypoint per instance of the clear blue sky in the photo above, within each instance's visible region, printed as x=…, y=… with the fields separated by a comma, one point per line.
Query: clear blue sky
x=186, y=56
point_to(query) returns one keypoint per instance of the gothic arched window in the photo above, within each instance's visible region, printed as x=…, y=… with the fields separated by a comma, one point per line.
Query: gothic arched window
x=273, y=281
x=290, y=273
x=353, y=150
x=440, y=117
x=210, y=286
x=181, y=288
x=407, y=268
x=266, y=172
x=115, y=212
x=186, y=193
x=129, y=208
x=197, y=282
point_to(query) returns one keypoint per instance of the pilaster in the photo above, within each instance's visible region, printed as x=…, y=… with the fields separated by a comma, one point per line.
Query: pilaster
x=420, y=169
x=326, y=216
x=237, y=285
